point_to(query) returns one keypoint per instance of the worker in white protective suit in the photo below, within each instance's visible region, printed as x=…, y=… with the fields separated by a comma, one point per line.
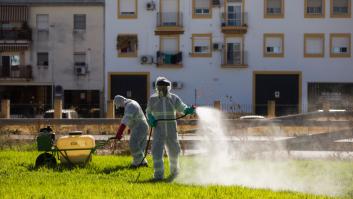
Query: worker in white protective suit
x=163, y=105
x=135, y=119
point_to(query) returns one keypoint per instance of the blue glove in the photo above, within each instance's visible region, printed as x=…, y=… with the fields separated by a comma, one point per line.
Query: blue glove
x=151, y=120
x=189, y=110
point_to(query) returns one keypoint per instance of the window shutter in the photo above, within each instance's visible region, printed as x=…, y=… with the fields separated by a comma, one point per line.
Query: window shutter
x=127, y=6
x=274, y=3
x=340, y=3
x=273, y=42
x=170, y=45
x=202, y=3
x=201, y=41
x=80, y=58
x=314, y=45
x=340, y=42
x=42, y=22
x=314, y=3
x=170, y=6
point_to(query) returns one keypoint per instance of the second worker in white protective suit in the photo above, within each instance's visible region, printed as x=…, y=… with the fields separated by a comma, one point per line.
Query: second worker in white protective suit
x=163, y=105
x=135, y=119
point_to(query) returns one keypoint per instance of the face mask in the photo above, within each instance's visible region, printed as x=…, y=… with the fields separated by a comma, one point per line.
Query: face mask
x=162, y=91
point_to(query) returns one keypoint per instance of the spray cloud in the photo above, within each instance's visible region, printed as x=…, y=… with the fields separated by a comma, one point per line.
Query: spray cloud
x=223, y=164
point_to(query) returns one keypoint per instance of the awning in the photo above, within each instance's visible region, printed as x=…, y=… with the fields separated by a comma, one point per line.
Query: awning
x=13, y=47
x=13, y=13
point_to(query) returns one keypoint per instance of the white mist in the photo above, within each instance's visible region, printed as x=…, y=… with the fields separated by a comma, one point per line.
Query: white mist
x=219, y=163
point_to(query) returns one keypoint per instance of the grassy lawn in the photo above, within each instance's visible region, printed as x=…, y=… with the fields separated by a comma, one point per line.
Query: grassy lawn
x=110, y=177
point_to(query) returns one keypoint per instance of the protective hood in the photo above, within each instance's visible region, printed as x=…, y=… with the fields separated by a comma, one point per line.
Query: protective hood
x=163, y=81
x=119, y=101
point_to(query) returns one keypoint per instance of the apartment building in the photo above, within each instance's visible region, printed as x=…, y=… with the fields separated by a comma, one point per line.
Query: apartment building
x=52, y=48
x=243, y=53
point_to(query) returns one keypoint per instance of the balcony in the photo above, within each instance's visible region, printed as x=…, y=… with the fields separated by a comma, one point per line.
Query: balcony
x=236, y=59
x=20, y=72
x=169, y=23
x=16, y=35
x=169, y=60
x=234, y=23
x=15, y=40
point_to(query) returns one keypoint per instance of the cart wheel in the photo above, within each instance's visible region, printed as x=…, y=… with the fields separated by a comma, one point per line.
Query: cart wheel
x=46, y=159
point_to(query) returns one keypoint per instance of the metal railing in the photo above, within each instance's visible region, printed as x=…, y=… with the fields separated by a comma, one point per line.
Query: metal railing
x=24, y=34
x=314, y=10
x=340, y=10
x=169, y=58
x=169, y=19
x=237, y=20
x=235, y=58
x=274, y=11
x=15, y=72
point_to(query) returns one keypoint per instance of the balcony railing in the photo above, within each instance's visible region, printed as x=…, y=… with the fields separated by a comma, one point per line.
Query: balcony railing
x=25, y=34
x=235, y=58
x=236, y=20
x=164, y=58
x=169, y=19
x=340, y=10
x=16, y=72
x=235, y=23
x=314, y=10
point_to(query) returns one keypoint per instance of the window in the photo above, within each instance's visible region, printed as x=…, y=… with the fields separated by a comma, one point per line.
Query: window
x=42, y=59
x=234, y=55
x=340, y=8
x=234, y=15
x=42, y=22
x=340, y=45
x=273, y=45
x=169, y=53
x=80, y=22
x=15, y=60
x=274, y=9
x=201, y=45
x=127, y=45
x=127, y=9
x=202, y=8
x=314, y=8
x=80, y=59
x=314, y=45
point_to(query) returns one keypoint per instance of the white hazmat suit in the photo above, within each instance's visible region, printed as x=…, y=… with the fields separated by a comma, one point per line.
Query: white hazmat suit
x=165, y=106
x=135, y=119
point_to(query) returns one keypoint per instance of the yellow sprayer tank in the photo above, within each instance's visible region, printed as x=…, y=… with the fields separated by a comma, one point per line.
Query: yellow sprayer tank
x=69, y=148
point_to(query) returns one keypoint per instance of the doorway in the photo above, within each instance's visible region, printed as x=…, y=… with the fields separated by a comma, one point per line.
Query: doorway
x=282, y=87
x=130, y=85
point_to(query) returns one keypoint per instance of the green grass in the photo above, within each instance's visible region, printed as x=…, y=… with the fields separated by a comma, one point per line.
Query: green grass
x=107, y=177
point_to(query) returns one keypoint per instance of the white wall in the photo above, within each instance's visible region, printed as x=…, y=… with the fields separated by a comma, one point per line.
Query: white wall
x=206, y=74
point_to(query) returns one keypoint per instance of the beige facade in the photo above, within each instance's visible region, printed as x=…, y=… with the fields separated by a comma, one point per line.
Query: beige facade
x=62, y=42
x=63, y=54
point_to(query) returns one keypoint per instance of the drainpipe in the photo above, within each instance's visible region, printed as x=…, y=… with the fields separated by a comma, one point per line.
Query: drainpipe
x=102, y=103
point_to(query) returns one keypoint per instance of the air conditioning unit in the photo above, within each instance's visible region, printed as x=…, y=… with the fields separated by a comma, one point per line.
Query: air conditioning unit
x=177, y=85
x=80, y=70
x=217, y=46
x=146, y=59
x=151, y=6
